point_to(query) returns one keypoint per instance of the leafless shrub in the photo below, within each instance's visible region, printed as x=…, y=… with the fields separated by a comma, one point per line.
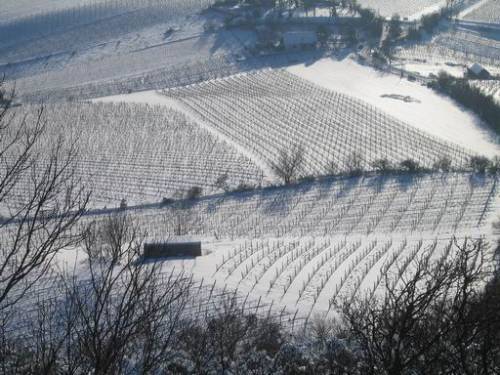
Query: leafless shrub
x=382, y=165
x=182, y=219
x=354, y=164
x=194, y=192
x=479, y=164
x=289, y=163
x=221, y=182
x=331, y=168
x=229, y=339
x=443, y=164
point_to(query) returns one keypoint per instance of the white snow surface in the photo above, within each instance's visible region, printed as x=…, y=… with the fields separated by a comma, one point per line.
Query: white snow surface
x=13, y=9
x=412, y=9
x=430, y=112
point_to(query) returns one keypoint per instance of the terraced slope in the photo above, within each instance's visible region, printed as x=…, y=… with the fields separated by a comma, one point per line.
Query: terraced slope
x=404, y=205
x=304, y=247
x=142, y=153
x=268, y=111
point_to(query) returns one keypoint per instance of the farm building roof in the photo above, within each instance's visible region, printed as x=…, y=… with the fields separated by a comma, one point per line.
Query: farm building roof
x=476, y=68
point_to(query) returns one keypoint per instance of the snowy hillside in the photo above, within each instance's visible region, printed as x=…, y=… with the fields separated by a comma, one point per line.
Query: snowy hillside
x=89, y=41
x=275, y=110
x=249, y=187
x=305, y=245
x=409, y=102
x=144, y=153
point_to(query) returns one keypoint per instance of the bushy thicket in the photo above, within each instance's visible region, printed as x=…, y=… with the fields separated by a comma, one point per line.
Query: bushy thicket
x=470, y=97
x=372, y=22
x=428, y=23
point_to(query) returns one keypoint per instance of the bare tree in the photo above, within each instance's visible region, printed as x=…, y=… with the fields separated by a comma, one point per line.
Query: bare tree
x=41, y=199
x=479, y=164
x=410, y=165
x=110, y=239
x=289, y=163
x=382, y=165
x=443, y=164
x=427, y=322
x=354, y=164
x=126, y=314
x=117, y=315
x=331, y=167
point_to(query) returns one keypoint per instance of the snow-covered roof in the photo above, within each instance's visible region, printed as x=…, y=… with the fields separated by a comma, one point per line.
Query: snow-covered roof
x=476, y=68
x=295, y=38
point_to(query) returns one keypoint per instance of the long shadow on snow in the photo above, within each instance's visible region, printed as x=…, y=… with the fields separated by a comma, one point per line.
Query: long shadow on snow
x=83, y=19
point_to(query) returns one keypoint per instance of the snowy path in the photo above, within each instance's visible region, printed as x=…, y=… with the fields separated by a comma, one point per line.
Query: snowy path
x=472, y=8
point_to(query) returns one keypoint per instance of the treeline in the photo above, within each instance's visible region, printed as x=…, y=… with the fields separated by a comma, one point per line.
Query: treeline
x=470, y=97
x=428, y=23
x=289, y=166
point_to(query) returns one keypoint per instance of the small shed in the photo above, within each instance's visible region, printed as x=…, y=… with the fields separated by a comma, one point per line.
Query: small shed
x=172, y=249
x=300, y=39
x=478, y=71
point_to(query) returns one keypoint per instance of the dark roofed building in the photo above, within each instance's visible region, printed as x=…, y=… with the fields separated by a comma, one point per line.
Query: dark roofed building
x=477, y=71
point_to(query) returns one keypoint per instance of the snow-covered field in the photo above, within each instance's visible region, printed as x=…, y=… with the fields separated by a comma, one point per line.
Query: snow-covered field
x=45, y=16
x=150, y=36
x=14, y=9
x=143, y=153
x=298, y=247
x=458, y=46
x=428, y=111
x=485, y=11
x=410, y=9
x=276, y=110
x=301, y=246
x=399, y=205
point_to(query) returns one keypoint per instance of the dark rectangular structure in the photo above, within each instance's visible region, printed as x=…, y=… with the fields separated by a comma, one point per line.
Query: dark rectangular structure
x=172, y=249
